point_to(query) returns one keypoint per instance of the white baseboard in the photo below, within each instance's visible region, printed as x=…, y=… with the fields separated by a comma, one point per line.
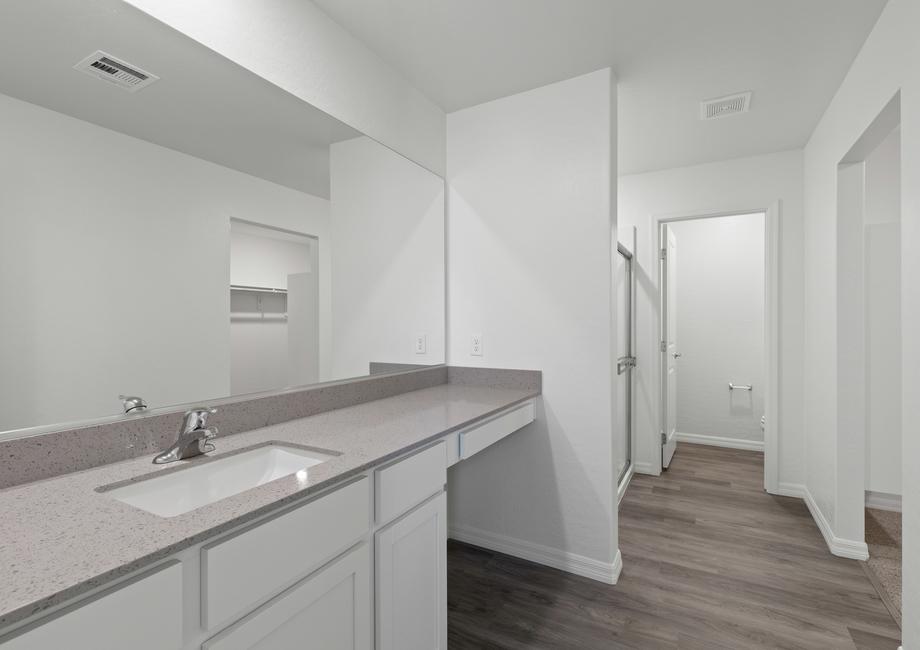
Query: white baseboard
x=883, y=501
x=853, y=549
x=646, y=468
x=719, y=441
x=580, y=565
x=796, y=490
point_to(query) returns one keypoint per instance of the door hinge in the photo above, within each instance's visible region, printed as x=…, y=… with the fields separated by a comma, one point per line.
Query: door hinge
x=664, y=438
x=663, y=254
x=663, y=346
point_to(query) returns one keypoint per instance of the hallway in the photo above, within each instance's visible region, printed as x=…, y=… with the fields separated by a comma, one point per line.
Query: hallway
x=710, y=561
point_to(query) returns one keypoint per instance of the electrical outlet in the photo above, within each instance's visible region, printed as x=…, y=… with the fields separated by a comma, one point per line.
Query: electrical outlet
x=476, y=345
x=421, y=343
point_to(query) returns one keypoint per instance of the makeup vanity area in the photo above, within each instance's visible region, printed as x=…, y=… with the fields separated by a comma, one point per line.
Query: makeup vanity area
x=264, y=288
x=350, y=552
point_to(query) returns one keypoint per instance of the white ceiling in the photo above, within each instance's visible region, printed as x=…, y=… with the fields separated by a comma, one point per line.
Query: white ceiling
x=203, y=105
x=669, y=55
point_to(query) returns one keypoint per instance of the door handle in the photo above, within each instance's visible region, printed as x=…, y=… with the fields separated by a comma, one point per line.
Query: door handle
x=677, y=355
x=623, y=363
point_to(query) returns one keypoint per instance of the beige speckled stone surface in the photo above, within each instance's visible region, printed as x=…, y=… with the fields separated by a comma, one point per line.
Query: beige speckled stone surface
x=60, y=537
x=23, y=460
x=495, y=377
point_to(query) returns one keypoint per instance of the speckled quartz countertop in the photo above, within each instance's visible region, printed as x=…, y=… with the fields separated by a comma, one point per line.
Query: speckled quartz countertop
x=60, y=537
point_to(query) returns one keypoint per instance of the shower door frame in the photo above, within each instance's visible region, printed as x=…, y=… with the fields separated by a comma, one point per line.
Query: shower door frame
x=628, y=468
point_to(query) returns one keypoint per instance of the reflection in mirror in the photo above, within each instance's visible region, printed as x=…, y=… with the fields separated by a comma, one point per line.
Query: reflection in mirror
x=176, y=228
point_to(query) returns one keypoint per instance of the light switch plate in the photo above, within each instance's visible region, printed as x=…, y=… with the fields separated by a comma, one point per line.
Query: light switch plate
x=476, y=345
x=421, y=343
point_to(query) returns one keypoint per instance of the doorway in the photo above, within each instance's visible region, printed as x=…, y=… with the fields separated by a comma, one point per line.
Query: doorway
x=274, y=313
x=869, y=351
x=717, y=331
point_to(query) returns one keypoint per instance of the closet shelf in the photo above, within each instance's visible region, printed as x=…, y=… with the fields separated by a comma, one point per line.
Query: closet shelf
x=250, y=317
x=244, y=287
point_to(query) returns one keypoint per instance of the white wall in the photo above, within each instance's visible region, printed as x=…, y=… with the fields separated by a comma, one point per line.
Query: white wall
x=296, y=46
x=720, y=326
x=889, y=61
x=114, y=266
x=883, y=181
x=388, y=258
x=883, y=267
x=531, y=203
x=719, y=188
x=883, y=313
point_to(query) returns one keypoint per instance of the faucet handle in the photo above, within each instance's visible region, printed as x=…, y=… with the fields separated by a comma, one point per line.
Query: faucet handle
x=132, y=403
x=197, y=417
x=204, y=411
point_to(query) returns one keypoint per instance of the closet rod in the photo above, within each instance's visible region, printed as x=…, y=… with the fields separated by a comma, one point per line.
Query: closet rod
x=243, y=287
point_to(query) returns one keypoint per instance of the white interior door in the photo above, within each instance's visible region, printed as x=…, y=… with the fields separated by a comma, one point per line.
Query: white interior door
x=670, y=351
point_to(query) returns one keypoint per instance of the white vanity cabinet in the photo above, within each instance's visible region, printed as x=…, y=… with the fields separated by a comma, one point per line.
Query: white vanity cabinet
x=360, y=566
x=330, y=610
x=412, y=579
x=411, y=552
x=143, y=614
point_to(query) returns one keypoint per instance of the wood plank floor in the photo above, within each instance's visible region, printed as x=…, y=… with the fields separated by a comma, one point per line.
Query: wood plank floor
x=710, y=561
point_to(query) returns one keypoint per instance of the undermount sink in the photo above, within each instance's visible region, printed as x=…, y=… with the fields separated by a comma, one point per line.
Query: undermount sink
x=178, y=492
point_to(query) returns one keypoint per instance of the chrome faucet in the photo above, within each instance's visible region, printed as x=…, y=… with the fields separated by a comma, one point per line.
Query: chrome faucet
x=194, y=437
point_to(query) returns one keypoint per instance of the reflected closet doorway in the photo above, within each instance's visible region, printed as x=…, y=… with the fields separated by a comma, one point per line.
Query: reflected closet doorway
x=274, y=308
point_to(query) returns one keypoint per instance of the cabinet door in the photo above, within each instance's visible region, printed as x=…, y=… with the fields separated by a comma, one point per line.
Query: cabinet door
x=412, y=579
x=144, y=614
x=329, y=610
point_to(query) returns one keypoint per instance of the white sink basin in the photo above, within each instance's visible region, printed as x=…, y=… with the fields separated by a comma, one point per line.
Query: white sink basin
x=185, y=490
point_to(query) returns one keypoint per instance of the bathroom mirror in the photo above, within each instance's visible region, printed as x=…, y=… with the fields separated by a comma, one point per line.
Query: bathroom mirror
x=174, y=227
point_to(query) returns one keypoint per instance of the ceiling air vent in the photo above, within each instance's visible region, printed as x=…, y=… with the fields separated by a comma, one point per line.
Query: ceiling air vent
x=725, y=106
x=108, y=68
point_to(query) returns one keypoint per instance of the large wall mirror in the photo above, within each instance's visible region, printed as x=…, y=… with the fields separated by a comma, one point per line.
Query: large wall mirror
x=174, y=227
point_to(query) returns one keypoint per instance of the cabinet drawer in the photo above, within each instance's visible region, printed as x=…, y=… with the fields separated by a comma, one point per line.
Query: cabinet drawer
x=257, y=563
x=145, y=614
x=330, y=610
x=474, y=440
x=405, y=483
